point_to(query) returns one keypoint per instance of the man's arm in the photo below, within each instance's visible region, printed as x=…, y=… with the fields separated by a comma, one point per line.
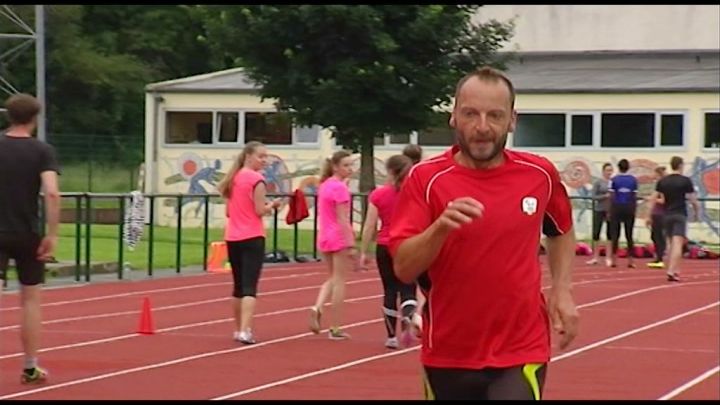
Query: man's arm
x=51, y=192
x=415, y=254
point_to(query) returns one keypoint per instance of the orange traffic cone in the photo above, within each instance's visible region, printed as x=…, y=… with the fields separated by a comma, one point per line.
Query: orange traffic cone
x=146, y=323
x=218, y=258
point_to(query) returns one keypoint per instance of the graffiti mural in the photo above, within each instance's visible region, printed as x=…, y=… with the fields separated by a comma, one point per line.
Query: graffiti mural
x=195, y=174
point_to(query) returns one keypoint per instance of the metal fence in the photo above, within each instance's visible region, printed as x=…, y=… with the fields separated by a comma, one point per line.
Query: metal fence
x=86, y=214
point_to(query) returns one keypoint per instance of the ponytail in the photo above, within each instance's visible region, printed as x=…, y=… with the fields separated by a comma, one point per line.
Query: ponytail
x=327, y=169
x=224, y=187
x=399, y=166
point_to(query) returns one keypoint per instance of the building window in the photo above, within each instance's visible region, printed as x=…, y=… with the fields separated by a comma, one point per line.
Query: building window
x=228, y=124
x=581, y=130
x=399, y=139
x=307, y=134
x=438, y=133
x=270, y=128
x=631, y=130
x=671, y=130
x=712, y=130
x=184, y=127
x=545, y=130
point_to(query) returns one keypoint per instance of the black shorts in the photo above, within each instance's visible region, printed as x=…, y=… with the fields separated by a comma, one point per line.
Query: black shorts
x=23, y=250
x=524, y=382
x=246, y=259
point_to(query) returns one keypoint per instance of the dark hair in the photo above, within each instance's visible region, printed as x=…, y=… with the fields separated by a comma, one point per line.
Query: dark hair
x=660, y=170
x=335, y=159
x=398, y=166
x=675, y=162
x=623, y=165
x=22, y=108
x=414, y=152
x=606, y=165
x=488, y=74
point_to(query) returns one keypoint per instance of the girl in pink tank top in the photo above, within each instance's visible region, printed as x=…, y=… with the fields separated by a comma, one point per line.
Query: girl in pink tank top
x=244, y=191
x=336, y=239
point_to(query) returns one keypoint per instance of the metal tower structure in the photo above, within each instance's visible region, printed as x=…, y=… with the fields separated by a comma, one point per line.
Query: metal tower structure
x=12, y=44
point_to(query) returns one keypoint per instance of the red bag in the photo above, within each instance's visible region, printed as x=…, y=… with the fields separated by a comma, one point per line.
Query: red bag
x=297, y=210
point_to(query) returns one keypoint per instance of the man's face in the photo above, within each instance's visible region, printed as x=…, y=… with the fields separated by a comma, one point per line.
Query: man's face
x=482, y=118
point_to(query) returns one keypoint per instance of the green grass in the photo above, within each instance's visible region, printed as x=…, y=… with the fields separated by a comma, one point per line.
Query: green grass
x=104, y=245
x=97, y=178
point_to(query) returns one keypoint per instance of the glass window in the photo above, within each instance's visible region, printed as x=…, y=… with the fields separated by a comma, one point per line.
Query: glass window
x=582, y=130
x=671, y=130
x=185, y=127
x=270, y=128
x=400, y=138
x=227, y=126
x=712, y=130
x=628, y=130
x=540, y=130
x=438, y=133
x=307, y=134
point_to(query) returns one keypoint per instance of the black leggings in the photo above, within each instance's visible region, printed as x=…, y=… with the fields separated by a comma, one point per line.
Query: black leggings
x=600, y=218
x=524, y=382
x=392, y=287
x=625, y=215
x=246, y=259
x=658, y=236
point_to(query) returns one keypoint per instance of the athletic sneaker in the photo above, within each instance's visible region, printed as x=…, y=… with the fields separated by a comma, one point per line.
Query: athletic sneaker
x=673, y=277
x=315, y=320
x=391, y=343
x=35, y=376
x=408, y=332
x=591, y=261
x=246, y=337
x=656, y=265
x=337, y=334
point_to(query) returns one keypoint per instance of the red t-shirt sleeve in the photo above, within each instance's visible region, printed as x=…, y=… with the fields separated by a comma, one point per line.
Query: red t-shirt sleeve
x=412, y=214
x=558, y=214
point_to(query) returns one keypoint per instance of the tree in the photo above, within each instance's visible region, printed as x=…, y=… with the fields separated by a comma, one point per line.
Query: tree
x=361, y=70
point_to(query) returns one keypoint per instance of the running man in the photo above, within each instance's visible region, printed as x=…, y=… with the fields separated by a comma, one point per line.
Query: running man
x=472, y=217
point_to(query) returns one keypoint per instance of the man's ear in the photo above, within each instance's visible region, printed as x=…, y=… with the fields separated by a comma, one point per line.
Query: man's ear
x=452, y=120
x=513, y=121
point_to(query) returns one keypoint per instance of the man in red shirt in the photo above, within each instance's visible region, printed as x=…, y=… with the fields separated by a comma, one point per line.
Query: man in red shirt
x=473, y=218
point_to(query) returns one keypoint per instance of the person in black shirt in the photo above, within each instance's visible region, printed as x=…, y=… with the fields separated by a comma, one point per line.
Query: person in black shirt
x=26, y=165
x=673, y=191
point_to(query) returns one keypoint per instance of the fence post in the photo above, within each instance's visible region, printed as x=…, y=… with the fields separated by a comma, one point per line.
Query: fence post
x=205, y=231
x=178, y=239
x=275, y=232
x=120, y=238
x=88, y=238
x=151, y=235
x=78, y=235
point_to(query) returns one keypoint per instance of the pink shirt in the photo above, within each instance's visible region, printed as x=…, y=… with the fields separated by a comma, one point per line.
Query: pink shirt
x=331, y=193
x=384, y=198
x=243, y=223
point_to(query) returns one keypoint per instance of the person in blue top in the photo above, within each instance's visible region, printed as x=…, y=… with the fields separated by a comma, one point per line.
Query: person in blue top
x=623, y=202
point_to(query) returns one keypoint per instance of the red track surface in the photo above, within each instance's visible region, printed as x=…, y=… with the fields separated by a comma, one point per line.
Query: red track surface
x=640, y=338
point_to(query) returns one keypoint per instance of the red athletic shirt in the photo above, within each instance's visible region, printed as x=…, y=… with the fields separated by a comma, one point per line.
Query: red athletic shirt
x=485, y=307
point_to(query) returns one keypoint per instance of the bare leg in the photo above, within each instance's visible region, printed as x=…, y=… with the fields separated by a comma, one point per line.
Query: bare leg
x=676, y=244
x=31, y=320
x=342, y=266
x=237, y=313
x=248, y=310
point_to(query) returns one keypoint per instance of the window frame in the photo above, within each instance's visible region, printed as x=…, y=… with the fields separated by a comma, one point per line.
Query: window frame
x=704, y=112
x=597, y=129
x=163, y=121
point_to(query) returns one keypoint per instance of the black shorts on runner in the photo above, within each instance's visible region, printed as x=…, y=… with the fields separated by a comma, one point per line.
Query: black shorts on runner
x=524, y=382
x=23, y=250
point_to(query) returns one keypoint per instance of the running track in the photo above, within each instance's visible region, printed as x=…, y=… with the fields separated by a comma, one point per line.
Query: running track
x=640, y=338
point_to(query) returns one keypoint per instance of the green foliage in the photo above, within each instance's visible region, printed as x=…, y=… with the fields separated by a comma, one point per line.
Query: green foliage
x=362, y=70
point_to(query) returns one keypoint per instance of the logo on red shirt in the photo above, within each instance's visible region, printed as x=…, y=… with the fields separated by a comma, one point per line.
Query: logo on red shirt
x=529, y=205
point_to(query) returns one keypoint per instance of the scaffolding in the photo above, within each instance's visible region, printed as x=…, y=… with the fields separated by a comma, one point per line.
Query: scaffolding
x=12, y=43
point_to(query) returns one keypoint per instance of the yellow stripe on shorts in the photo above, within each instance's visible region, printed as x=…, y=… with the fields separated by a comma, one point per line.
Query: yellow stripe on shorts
x=530, y=372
